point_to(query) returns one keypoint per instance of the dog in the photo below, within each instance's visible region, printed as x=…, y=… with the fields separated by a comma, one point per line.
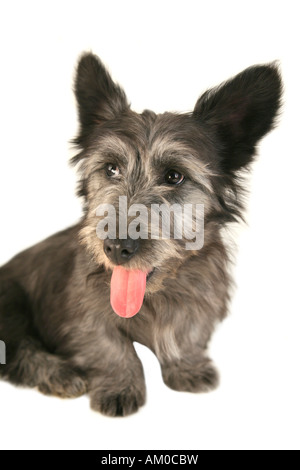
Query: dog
x=59, y=299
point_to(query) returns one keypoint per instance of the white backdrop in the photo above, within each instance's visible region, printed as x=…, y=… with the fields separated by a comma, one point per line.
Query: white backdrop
x=164, y=53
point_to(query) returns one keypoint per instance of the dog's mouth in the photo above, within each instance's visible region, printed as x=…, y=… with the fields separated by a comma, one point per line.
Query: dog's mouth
x=127, y=290
x=150, y=274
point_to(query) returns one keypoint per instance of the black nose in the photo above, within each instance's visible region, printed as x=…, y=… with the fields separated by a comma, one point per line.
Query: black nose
x=120, y=251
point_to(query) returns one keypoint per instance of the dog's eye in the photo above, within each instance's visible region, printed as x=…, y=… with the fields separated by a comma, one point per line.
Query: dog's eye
x=174, y=177
x=112, y=170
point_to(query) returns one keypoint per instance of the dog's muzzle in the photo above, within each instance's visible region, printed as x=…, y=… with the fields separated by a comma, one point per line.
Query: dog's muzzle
x=120, y=251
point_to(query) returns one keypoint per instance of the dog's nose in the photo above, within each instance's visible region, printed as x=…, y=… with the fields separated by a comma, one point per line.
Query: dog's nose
x=120, y=251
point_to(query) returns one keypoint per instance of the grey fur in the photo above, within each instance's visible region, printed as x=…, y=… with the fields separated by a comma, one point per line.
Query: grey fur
x=55, y=314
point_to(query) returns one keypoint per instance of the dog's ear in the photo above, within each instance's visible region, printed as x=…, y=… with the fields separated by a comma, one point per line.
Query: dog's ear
x=240, y=112
x=99, y=98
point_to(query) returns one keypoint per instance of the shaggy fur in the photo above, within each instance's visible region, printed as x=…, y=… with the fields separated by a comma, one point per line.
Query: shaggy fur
x=56, y=319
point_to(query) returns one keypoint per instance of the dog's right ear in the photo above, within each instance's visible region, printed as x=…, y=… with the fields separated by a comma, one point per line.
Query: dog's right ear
x=99, y=98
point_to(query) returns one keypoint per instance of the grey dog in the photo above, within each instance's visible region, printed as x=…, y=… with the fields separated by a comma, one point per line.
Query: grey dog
x=57, y=299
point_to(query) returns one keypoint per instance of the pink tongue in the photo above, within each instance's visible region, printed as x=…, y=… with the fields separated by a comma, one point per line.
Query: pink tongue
x=127, y=291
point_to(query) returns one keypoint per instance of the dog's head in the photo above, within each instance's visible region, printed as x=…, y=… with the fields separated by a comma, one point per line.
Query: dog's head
x=135, y=163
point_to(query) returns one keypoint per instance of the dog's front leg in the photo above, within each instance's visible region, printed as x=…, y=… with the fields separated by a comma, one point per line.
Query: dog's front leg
x=193, y=373
x=117, y=384
x=182, y=353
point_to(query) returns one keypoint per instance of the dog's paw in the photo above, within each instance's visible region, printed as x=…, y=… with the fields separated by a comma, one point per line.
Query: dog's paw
x=122, y=403
x=64, y=383
x=196, y=378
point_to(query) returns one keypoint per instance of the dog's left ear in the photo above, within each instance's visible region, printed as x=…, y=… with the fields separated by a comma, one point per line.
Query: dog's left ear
x=240, y=112
x=99, y=98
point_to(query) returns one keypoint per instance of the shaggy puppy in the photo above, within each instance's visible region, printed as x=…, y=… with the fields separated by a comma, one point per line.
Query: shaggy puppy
x=58, y=299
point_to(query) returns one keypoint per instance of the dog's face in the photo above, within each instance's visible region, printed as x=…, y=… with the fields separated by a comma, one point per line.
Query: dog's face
x=151, y=160
x=167, y=159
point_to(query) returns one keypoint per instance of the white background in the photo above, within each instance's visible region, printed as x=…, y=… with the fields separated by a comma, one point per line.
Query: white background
x=165, y=54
